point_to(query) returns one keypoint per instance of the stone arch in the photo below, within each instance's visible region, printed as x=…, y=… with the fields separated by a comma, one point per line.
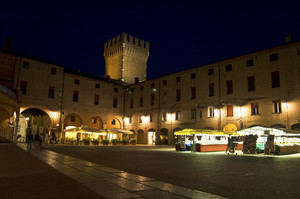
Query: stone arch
x=95, y=122
x=278, y=126
x=253, y=125
x=163, y=136
x=73, y=119
x=113, y=123
x=230, y=127
x=296, y=126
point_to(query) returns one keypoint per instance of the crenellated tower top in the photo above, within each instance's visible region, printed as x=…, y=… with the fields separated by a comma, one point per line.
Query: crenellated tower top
x=126, y=58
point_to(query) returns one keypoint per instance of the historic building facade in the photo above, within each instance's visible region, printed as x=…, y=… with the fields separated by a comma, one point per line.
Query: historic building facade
x=260, y=88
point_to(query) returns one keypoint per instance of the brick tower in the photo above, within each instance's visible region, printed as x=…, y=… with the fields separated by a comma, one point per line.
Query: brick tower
x=126, y=58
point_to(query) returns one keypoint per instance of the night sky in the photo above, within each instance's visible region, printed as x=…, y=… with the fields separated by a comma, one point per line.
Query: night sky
x=182, y=35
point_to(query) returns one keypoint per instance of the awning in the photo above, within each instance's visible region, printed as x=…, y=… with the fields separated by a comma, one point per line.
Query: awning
x=114, y=130
x=86, y=129
x=260, y=130
x=203, y=131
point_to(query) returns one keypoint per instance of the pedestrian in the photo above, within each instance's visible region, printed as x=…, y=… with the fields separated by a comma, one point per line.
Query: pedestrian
x=37, y=140
x=29, y=140
x=228, y=143
x=46, y=138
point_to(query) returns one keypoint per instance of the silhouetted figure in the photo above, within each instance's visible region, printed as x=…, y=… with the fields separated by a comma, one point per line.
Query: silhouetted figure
x=37, y=140
x=29, y=140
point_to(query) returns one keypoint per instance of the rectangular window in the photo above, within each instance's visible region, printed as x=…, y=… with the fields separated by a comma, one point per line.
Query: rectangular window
x=96, y=99
x=53, y=71
x=193, y=113
x=131, y=103
x=51, y=92
x=97, y=85
x=23, y=87
x=200, y=113
x=130, y=119
x=26, y=64
x=275, y=79
x=152, y=99
x=140, y=119
x=193, y=76
x=273, y=57
x=113, y=122
x=132, y=90
x=178, y=79
x=211, y=112
x=177, y=95
x=150, y=118
x=249, y=62
x=254, y=109
x=211, y=90
x=141, y=88
x=94, y=120
x=228, y=67
x=210, y=71
x=115, y=90
x=276, y=106
x=152, y=85
x=298, y=51
x=165, y=82
x=115, y=102
x=251, y=83
x=76, y=81
x=75, y=96
x=73, y=118
x=193, y=93
x=177, y=115
x=229, y=110
x=164, y=117
x=141, y=101
x=229, y=87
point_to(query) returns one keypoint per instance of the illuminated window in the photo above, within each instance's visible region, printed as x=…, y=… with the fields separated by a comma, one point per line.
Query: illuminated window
x=211, y=89
x=177, y=95
x=229, y=87
x=229, y=110
x=276, y=106
x=273, y=57
x=251, y=83
x=254, y=109
x=51, y=92
x=211, y=112
x=96, y=99
x=193, y=93
x=115, y=102
x=210, y=71
x=164, y=117
x=23, y=87
x=275, y=79
x=193, y=113
x=140, y=119
x=75, y=96
x=249, y=62
x=177, y=115
x=228, y=67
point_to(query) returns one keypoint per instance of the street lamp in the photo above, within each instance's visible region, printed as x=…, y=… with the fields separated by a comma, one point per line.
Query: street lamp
x=145, y=121
x=171, y=117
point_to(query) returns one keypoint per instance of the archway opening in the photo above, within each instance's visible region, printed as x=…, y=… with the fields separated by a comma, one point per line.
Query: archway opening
x=163, y=136
x=230, y=127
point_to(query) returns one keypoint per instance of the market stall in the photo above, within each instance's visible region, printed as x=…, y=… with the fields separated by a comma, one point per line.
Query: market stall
x=204, y=140
x=84, y=132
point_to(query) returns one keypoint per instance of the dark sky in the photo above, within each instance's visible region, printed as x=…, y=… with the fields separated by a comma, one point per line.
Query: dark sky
x=182, y=35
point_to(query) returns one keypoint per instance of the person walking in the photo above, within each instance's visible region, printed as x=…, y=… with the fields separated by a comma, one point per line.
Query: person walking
x=228, y=143
x=29, y=140
x=37, y=140
x=46, y=138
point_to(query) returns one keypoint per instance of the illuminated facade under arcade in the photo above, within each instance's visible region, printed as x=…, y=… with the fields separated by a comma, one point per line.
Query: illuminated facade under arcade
x=260, y=88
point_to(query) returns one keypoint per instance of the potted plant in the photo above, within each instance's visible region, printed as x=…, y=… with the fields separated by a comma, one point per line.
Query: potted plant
x=105, y=142
x=133, y=141
x=114, y=141
x=86, y=141
x=125, y=142
x=96, y=142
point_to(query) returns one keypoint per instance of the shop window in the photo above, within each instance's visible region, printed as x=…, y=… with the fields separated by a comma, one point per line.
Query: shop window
x=141, y=101
x=193, y=93
x=178, y=79
x=177, y=95
x=73, y=118
x=276, y=106
x=115, y=102
x=229, y=110
x=211, y=89
x=97, y=85
x=228, y=67
x=51, y=92
x=254, y=109
x=76, y=81
x=275, y=79
x=23, y=87
x=165, y=82
x=96, y=99
x=26, y=64
x=210, y=71
x=273, y=57
x=211, y=112
x=152, y=99
x=131, y=103
x=164, y=117
x=75, y=96
x=251, y=83
x=193, y=113
x=193, y=76
x=177, y=115
x=229, y=87
x=249, y=62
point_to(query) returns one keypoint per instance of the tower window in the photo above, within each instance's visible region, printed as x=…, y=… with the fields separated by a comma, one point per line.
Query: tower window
x=141, y=88
x=115, y=90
